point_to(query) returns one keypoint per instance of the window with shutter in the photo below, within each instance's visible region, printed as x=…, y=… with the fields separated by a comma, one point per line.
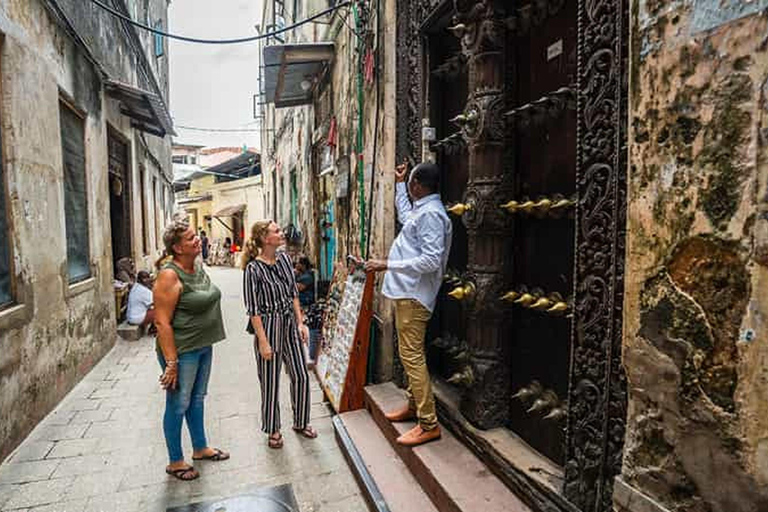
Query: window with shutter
x=159, y=43
x=75, y=194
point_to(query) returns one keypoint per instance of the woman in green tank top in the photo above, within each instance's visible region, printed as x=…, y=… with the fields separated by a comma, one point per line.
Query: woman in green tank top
x=188, y=319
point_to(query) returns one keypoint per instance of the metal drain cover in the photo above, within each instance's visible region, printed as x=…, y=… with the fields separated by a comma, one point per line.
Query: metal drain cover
x=268, y=499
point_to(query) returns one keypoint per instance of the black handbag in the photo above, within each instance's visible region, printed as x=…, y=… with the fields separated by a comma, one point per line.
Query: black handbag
x=249, y=327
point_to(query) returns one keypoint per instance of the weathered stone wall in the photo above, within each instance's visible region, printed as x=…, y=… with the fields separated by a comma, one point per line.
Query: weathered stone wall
x=55, y=332
x=696, y=341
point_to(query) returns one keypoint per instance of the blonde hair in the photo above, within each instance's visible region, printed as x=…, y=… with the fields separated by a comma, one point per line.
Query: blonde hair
x=172, y=235
x=255, y=243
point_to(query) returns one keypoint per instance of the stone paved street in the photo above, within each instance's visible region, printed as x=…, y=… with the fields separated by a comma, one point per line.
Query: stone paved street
x=102, y=449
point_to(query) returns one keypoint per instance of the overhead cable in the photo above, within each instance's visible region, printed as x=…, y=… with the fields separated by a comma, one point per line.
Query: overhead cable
x=217, y=130
x=249, y=39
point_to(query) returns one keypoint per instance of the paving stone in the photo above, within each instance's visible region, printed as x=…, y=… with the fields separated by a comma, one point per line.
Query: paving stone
x=95, y=484
x=83, y=404
x=60, y=417
x=59, y=432
x=76, y=466
x=127, y=501
x=327, y=487
x=38, y=493
x=32, y=450
x=110, y=429
x=92, y=416
x=142, y=458
x=349, y=504
x=78, y=505
x=74, y=448
x=22, y=472
x=6, y=491
x=107, y=393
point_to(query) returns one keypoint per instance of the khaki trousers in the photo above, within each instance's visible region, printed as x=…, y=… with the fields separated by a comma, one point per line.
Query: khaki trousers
x=411, y=320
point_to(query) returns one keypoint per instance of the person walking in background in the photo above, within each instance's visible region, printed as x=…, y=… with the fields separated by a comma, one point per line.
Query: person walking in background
x=140, y=301
x=276, y=318
x=205, y=245
x=415, y=267
x=189, y=322
x=305, y=283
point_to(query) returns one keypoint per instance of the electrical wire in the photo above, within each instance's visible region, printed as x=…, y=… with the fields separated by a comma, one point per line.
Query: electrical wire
x=128, y=19
x=217, y=130
x=377, y=57
x=345, y=21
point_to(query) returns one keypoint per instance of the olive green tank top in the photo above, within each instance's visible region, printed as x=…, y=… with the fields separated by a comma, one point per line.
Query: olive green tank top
x=197, y=321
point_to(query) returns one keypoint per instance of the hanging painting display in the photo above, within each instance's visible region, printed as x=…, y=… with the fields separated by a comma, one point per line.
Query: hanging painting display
x=343, y=356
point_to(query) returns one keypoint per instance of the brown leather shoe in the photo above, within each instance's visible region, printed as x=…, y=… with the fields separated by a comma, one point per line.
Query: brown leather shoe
x=418, y=435
x=403, y=414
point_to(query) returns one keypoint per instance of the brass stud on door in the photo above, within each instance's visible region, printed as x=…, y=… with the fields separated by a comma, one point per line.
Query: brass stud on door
x=510, y=296
x=463, y=292
x=459, y=209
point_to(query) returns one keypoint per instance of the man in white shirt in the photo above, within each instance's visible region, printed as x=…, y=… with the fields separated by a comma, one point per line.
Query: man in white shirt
x=415, y=269
x=140, y=301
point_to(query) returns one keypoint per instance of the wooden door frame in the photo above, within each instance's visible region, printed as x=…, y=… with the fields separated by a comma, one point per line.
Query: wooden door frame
x=597, y=400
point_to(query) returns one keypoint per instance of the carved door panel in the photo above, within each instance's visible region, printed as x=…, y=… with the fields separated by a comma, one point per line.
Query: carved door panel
x=543, y=125
x=447, y=85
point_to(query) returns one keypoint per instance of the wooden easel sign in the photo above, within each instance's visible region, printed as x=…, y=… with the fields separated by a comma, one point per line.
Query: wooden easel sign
x=343, y=358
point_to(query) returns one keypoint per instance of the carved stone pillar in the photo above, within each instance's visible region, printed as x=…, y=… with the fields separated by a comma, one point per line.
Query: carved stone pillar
x=480, y=27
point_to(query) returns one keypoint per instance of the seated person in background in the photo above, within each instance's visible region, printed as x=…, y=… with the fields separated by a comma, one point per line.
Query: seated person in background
x=125, y=270
x=305, y=282
x=140, y=301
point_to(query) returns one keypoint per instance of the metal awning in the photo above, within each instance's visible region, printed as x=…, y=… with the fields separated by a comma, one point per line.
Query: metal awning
x=286, y=66
x=145, y=108
x=230, y=211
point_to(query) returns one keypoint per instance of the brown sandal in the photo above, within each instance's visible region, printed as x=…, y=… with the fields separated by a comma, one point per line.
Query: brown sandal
x=186, y=474
x=275, y=442
x=308, y=432
x=216, y=456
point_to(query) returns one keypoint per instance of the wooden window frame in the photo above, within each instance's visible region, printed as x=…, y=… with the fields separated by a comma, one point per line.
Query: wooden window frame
x=66, y=102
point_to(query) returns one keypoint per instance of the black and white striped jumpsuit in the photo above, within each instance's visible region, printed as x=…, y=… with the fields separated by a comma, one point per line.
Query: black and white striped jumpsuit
x=269, y=291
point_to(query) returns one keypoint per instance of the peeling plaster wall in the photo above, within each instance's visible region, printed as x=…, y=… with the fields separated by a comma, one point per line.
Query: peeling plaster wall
x=56, y=332
x=696, y=338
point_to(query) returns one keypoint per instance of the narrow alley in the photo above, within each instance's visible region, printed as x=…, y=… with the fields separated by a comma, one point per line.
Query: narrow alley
x=524, y=243
x=102, y=448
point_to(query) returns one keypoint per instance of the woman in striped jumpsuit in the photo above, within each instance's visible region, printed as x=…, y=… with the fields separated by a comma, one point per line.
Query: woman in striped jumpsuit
x=272, y=302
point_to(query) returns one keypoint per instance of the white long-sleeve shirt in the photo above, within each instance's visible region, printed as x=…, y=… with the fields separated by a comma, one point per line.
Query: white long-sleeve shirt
x=419, y=254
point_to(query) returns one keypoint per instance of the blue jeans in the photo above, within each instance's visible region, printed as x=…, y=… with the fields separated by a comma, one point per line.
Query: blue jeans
x=187, y=401
x=314, y=338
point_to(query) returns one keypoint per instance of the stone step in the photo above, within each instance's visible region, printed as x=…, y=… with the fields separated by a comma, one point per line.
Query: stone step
x=382, y=475
x=450, y=474
x=129, y=332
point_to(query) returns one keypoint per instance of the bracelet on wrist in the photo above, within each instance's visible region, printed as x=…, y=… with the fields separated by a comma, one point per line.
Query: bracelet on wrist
x=174, y=362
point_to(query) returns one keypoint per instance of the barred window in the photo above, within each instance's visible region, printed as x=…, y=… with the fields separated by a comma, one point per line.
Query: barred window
x=75, y=194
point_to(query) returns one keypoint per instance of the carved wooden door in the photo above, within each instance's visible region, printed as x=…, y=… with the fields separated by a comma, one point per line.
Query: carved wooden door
x=539, y=281
x=542, y=123
x=447, y=87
